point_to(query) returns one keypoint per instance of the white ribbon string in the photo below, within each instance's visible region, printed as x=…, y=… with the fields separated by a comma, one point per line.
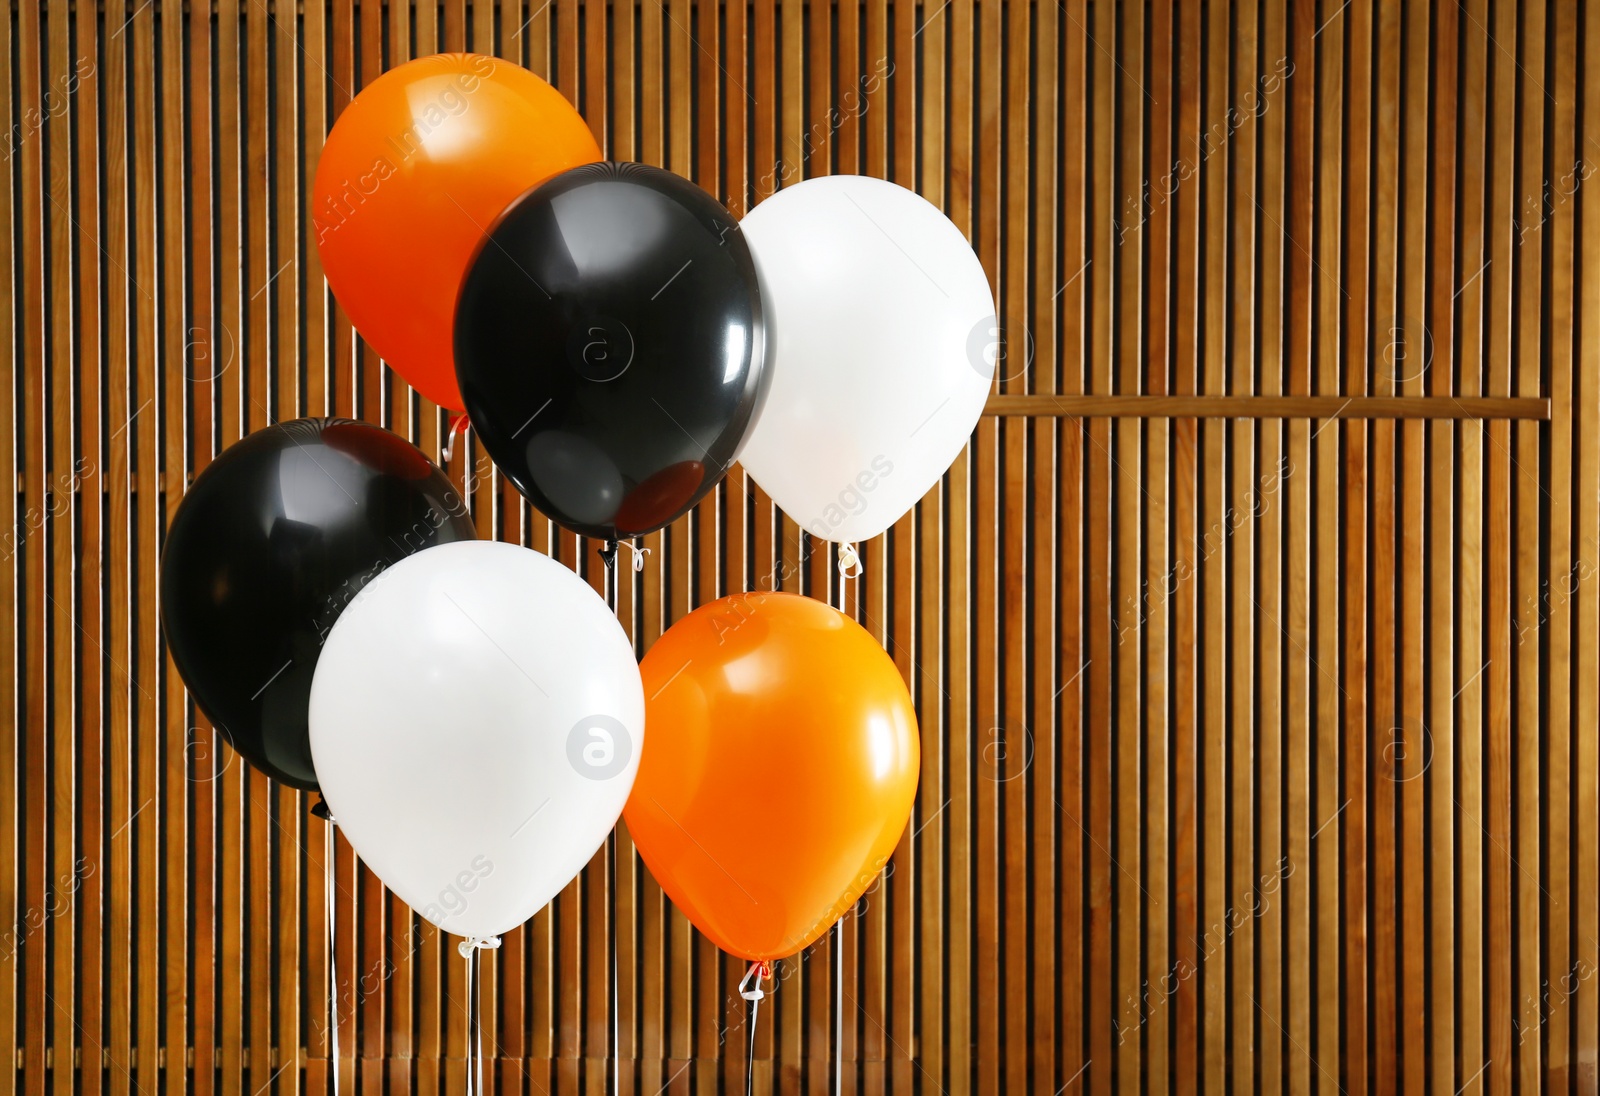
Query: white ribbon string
x=459, y=424
x=838, y=1004
x=470, y=948
x=750, y=989
x=612, y=588
x=333, y=959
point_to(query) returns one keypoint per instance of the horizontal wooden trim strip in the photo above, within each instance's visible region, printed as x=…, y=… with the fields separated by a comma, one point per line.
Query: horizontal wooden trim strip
x=1272, y=407
x=305, y=1059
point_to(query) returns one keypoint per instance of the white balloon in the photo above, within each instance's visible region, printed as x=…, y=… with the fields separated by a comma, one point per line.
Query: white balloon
x=881, y=333
x=476, y=721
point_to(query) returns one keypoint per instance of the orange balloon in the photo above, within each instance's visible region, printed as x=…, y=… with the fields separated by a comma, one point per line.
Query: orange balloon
x=778, y=769
x=416, y=170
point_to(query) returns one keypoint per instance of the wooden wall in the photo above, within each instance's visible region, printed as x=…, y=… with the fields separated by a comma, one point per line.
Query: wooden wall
x=1255, y=638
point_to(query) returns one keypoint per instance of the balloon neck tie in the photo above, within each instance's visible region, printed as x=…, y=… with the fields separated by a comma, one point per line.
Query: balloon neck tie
x=849, y=562
x=458, y=423
x=473, y=943
x=750, y=989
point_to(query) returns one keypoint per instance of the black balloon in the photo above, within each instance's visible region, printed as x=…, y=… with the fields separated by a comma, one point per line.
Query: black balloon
x=609, y=345
x=270, y=543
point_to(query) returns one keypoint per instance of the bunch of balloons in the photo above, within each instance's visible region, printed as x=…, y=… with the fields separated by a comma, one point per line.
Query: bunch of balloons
x=472, y=713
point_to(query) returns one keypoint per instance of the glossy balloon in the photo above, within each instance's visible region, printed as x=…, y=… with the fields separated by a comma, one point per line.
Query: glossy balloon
x=780, y=772
x=882, y=355
x=609, y=345
x=415, y=171
x=268, y=546
x=477, y=720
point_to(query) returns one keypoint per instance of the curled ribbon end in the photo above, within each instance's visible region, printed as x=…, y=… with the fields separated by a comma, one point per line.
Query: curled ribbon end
x=638, y=554
x=849, y=561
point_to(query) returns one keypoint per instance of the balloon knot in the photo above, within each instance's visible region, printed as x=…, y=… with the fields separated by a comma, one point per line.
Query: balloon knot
x=467, y=946
x=608, y=553
x=849, y=562
x=750, y=988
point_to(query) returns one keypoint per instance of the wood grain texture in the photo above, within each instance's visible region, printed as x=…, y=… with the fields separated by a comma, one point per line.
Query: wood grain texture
x=1255, y=637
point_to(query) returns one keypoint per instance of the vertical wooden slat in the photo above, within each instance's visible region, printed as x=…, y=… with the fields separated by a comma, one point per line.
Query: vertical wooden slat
x=1561, y=566
x=977, y=568
x=170, y=411
x=1212, y=766
x=1586, y=541
x=1275, y=627
x=1439, y=744
x=146, y=413
x=321, y=389
x=1506, y=1019
x=653, y=1046
x=57, y=786
x=1352, y=820
x=1125, y=41
x=260, y=793
x=233, y=783
x=1077, y=1056
x=1530, y=592
x=11, y=514
x=89, y=477
x=1407, y=743
x=1387, y=343
x=1289, y=485
x=1467, y=379
x=32, y=805
x=1180, y=984
x=1323, y=462
x=1044, y=732
x=208, y=353
x=938, y=825
x=895, y=66
x=1246, y=1016
x=1155, y=594
x=677, y=542
x=1101, y=1005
